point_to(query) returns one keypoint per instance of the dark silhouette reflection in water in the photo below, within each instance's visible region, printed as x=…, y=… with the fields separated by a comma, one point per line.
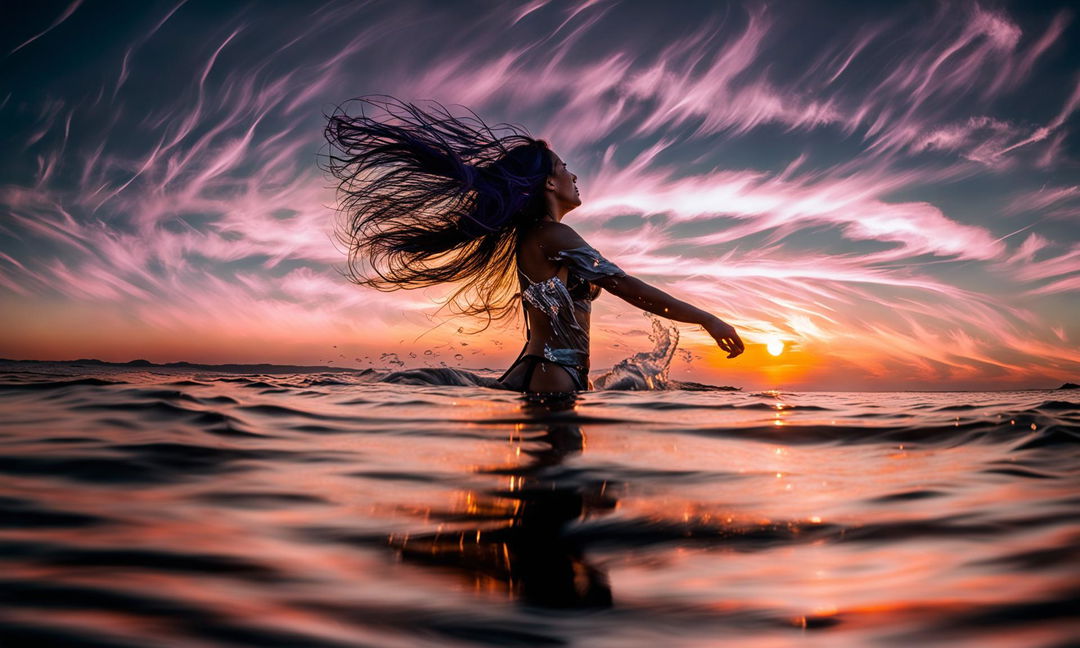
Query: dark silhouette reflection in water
x=513, y=538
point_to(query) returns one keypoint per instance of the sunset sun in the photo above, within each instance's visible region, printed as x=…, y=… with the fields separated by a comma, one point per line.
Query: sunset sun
x=566, y=319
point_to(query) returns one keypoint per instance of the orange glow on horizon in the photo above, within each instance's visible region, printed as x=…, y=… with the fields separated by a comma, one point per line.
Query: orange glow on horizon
x=72, y=330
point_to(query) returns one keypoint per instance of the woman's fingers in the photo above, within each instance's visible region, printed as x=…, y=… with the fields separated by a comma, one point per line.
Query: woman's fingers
x=730, y=342
x=729, y=346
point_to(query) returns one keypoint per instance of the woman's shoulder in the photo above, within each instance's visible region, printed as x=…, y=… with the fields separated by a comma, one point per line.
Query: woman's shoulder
x=554, y=236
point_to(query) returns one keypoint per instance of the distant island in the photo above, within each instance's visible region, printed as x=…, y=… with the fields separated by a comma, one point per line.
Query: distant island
x=263, y=368
x=1069, y=386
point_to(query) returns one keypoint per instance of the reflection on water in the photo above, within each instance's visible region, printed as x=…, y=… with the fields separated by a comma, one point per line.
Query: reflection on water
x=193, y=508
x=513, y=538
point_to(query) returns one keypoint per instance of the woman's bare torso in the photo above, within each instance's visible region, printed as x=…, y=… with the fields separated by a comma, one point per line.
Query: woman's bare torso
x=533, y=262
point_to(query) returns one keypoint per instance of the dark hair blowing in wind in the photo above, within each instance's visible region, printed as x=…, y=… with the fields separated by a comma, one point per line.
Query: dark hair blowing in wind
x=428, y=197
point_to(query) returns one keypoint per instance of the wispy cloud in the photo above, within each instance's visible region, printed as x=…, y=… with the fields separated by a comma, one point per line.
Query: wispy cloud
x=814, y=190
x=53, y=25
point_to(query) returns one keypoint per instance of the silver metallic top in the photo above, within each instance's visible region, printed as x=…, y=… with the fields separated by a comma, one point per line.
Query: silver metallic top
x=569, y=344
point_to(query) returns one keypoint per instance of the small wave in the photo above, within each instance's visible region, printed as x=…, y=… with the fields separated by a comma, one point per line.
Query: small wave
x=324, y=382
x=1020, y=472
x=1051, y=436
x=150, y=463
x=191, y=621
x=157, y=560
x=72, y=440
x=437, y=626
x=276, y=410
x=319, y=429
x=83, y=468
x=686, y=385
x=669, y=405
x=164, y=394
x=447, y=376
x=60, y=384
x=1058, y=405
x=19, y=513
x=1066, y=553
x=909, y=496
x=259, y=499
x=999, y=617
x=217, y=400
x=384, y=475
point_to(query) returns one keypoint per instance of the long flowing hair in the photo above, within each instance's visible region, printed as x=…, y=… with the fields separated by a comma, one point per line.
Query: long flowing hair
x=427, y=197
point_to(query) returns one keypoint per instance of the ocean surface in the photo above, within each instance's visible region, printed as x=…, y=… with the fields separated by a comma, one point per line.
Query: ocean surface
x=172, y=506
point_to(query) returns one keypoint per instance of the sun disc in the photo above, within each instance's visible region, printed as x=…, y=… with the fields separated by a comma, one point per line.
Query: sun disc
x=775, y=346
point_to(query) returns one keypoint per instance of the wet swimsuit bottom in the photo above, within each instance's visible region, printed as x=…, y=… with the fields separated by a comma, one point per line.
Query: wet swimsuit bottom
x=581, y=380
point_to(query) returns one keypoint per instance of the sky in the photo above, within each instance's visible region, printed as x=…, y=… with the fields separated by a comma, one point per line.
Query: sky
x=890, y=191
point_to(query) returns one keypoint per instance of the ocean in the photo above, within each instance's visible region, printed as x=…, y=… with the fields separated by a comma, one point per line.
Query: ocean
x=186, y=506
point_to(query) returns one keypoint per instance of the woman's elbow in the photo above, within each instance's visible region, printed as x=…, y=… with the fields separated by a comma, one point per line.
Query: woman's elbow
x=631, y=290
x=621, y=286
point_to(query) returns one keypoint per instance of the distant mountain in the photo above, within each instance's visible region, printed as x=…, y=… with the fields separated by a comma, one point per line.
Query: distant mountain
x=228, y=368
x=1069, y=386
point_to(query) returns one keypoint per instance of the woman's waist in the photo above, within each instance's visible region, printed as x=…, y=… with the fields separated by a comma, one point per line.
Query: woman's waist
x=554, y=351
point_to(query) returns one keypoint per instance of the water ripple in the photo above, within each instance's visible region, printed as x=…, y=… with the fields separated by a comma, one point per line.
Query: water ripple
x=422, y=508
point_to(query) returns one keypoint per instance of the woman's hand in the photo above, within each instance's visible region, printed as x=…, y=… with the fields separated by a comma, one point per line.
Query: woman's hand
x=725, y=336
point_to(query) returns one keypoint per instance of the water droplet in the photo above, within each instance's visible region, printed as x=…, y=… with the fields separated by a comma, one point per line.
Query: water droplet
x=458, y=356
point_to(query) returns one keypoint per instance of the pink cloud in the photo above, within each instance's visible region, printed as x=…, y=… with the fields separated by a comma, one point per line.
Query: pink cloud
x=852, y=203
x=214, y=220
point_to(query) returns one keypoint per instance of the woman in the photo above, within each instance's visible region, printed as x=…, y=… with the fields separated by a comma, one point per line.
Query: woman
x=430, y=198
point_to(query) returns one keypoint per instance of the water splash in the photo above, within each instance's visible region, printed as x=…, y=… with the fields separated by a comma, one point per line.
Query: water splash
x=392, y=360
x=646, y=370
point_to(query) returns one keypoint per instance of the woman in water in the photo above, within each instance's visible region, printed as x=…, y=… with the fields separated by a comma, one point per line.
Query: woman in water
x=430, y=198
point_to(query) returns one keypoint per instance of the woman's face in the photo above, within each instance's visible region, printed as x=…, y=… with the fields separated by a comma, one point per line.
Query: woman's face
x=563, y=184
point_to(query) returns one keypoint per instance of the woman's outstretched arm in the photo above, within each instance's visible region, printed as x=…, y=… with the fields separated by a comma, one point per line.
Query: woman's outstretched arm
x=650, y=298
x=558, y=238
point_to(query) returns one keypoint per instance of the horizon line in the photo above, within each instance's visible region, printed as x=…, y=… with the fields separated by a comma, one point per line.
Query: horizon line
x=140, y=362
